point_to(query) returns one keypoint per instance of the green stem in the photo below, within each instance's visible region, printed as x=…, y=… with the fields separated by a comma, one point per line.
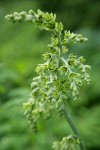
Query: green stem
x=66, y=112
x=73, y=127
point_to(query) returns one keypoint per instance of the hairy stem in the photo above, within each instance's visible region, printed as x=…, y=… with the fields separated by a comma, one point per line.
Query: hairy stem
x=73, y=127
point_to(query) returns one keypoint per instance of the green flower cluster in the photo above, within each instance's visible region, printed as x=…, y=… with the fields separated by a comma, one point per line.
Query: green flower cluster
x=58, y=76
x=67, y=143
x=42, y=20
x=61, y=74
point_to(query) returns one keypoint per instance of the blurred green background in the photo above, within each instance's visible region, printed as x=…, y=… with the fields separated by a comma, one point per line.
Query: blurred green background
x=21, y=49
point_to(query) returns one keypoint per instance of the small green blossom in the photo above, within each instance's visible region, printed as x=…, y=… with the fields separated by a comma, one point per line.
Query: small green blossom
x=67, y=143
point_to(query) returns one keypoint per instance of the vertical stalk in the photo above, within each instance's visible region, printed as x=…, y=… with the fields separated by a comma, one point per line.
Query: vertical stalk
x=73, y=127
x=66, y=112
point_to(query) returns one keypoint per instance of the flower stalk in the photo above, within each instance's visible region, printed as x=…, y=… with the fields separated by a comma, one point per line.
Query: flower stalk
x=73, y=127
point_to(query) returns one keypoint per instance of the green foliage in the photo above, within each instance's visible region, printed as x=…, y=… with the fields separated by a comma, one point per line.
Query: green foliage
x=21, y=47
x=58, y=76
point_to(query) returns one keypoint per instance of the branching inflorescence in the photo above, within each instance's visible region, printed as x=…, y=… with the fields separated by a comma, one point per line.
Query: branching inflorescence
x=60, y=76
